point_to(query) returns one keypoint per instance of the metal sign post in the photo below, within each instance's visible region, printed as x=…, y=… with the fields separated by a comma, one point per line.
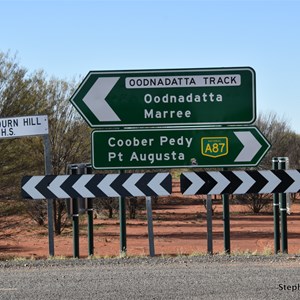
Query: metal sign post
x=75, y=216
x=15, y=127
x=276, y=212
x=48, y=169
x=282, y=165
x=88, y=170
x=209, y=224
x=122, y=218
x=150, y=226
x=226, y=221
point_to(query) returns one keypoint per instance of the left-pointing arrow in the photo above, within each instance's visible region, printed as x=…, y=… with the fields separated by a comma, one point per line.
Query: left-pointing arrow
x=156, y=184
x=80, y=186
x=130, y=184
x=95, y=99
x=105, y=185
x=30, y=187
x=55, y=186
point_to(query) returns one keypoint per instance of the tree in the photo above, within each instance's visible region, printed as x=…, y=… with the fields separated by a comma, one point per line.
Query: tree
x=294, y=151
x=33, y=94
x=283, y=142
x=17, y=97
x=69, y=135
x=278, y=133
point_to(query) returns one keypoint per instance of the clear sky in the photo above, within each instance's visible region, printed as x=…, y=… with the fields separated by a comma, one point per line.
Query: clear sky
x=69, y=38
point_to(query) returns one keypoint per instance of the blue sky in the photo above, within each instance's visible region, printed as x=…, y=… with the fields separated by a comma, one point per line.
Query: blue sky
x=68, y=38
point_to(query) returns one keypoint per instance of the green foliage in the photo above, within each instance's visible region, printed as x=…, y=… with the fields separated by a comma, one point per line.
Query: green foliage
x=23, y=94
x=255, y=202
x=284, y=142
x=12, y=208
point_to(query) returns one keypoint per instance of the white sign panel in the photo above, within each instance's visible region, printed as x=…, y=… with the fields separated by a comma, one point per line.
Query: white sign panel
x=23, y=126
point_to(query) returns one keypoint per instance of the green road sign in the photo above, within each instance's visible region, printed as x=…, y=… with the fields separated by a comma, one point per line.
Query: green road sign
x=167, y=97
x=178, y=147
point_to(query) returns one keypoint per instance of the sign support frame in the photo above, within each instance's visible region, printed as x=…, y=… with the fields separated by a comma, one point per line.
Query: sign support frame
x=48, y=171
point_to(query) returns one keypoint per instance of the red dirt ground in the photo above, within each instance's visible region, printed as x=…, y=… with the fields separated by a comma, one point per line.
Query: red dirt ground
x=179, y=228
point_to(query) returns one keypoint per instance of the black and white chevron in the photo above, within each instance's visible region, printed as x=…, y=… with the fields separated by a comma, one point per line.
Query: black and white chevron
x=240, y=182
x=97, y=185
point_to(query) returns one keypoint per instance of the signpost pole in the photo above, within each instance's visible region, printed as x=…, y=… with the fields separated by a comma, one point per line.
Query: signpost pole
x=88, y=169
x=209, y=224
x=122, y=211
x=226, y=220
x=283, y=210
x=48, y=171
x=34, y=126
x=150, y=226
x=75, y=219
x=122, y=216
x=276, y=212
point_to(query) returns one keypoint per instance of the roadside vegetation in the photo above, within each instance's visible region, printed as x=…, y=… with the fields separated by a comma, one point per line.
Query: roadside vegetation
x=24, y=92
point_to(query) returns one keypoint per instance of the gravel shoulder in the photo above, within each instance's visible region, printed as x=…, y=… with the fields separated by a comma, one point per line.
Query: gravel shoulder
x=183, y=277
x=158, y=260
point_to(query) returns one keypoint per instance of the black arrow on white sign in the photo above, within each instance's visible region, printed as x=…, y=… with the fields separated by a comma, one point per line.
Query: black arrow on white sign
x=97, y=185
x=240, y=182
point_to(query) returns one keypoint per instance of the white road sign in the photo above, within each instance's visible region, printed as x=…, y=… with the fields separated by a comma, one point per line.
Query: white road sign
x=23, y=126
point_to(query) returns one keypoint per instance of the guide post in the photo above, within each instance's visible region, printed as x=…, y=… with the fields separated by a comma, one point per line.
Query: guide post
x=276, y=217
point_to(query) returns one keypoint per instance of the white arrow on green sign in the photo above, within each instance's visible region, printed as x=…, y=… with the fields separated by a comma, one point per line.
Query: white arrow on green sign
x=142, y=98
x=178, y=147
